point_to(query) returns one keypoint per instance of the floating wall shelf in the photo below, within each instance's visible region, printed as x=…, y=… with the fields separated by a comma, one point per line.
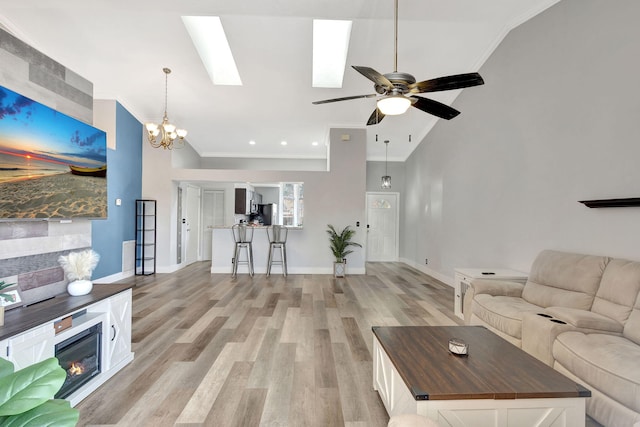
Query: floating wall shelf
x=612, y=203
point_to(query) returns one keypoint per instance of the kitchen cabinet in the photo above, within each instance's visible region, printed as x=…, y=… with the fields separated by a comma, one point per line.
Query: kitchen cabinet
x=246, y=201
x=241, y=205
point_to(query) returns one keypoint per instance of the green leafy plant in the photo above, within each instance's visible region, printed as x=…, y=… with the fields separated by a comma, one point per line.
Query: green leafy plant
x=339, y=243
x=26, y=396
x=5, y=296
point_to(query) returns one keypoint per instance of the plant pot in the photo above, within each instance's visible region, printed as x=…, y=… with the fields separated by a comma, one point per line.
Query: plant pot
x=339, y=269
x=79, y=287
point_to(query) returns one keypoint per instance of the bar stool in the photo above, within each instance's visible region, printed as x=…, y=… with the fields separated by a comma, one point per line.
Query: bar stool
x=277, y=236
x=243, y=237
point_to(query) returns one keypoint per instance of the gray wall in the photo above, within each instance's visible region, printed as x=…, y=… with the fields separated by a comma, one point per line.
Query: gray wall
x=263, y=164
x=556, y=122
x=333, y=197
x=376, y=170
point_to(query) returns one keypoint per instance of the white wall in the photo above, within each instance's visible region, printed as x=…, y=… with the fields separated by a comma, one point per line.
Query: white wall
x=556, y=122
x=331, y=197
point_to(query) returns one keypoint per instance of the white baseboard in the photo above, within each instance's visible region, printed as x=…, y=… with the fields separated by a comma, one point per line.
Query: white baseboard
x=277, y=271
x=170, y=269
x=423, y=268
x=114, y=277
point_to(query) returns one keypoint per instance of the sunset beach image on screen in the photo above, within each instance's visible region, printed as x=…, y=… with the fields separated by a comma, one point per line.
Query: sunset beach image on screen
x=51, y=165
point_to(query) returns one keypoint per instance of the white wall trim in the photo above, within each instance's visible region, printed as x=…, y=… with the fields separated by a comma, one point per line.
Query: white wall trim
x=441, y=277
x=275, y=271
x=113, y=278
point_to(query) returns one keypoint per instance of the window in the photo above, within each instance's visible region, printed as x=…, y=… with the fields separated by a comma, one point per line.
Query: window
x=292, y=194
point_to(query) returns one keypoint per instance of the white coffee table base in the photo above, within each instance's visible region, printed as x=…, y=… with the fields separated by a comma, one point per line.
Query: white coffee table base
x=397, y=399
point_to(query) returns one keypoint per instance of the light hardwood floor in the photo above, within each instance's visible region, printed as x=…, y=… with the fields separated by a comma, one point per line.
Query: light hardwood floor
x=211, y=350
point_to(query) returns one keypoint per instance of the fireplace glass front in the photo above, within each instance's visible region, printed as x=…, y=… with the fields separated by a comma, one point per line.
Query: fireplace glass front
x=79, y=356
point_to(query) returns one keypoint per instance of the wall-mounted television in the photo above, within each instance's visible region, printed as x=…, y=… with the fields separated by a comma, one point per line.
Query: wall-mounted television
x=52, y=166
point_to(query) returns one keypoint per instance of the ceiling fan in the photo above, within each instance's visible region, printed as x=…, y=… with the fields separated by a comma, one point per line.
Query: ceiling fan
x=396, y=91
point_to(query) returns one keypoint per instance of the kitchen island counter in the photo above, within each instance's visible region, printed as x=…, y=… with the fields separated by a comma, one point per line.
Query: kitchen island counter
x=223, y=248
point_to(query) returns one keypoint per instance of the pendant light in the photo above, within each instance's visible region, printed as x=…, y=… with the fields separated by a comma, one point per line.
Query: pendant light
x=386, y=179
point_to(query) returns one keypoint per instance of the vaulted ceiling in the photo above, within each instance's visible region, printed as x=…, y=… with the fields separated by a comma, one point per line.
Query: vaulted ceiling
x=122, y=46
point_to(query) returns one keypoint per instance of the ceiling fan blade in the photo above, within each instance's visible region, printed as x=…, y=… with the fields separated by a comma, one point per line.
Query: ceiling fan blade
x=346, y=98
x=375, y=117
x=457, y=81
x=373, y=75
x=436, y=108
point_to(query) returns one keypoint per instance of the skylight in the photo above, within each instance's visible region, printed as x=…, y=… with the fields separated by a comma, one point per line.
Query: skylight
x=330, y=48
x=211, y=43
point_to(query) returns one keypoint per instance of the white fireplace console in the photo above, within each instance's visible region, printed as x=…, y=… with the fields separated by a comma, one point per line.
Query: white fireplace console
x=31, y=333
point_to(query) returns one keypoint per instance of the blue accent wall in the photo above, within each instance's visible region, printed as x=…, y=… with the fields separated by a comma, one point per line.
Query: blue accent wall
x=124, y=181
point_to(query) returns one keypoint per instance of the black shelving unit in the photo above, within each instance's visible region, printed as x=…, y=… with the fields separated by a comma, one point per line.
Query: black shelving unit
x=145, y=237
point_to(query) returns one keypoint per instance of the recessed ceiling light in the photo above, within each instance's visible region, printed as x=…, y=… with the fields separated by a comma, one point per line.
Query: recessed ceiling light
x=314, y=143
x=283, y=142
x=211, y=43
x=330, y=48
x=252, y=142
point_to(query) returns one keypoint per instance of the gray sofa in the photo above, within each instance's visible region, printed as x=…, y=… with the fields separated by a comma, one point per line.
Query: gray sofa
x=579, y=314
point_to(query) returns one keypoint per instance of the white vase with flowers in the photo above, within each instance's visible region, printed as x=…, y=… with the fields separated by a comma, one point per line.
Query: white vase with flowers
x=78, y=267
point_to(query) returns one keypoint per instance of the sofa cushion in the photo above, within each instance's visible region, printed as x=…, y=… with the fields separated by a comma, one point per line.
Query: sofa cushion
x=584, y=319
x=607, y=362
x=618, y=290
x=564, y=279
x=497, y=287
x=632, y=326
x=502, y=312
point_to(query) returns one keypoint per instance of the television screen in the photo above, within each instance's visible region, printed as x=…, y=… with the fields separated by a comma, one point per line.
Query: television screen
x=51, y=165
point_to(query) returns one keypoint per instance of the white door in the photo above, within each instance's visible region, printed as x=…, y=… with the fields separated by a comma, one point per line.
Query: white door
x=192, y=225
x=382, y=226
x=212, y=216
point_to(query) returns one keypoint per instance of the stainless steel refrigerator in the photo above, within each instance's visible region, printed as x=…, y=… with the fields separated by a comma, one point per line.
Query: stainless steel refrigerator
x=269, y=213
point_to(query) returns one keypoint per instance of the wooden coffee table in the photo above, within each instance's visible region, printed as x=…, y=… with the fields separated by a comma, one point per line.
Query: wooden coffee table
x=497, y=384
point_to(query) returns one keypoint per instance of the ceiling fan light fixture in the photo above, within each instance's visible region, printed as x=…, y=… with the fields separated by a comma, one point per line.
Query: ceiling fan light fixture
x=394, y=105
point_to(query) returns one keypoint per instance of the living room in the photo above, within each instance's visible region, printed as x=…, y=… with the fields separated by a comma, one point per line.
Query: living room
x=491, y=188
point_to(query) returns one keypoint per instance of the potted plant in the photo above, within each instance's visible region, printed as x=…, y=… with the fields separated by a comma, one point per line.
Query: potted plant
x=78, y=267
x=339, y=244
x=27, y=395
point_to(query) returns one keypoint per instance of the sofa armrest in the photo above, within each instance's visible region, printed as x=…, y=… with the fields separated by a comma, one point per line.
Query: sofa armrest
x=491, y=287
x=585, y=320
x=497, y=287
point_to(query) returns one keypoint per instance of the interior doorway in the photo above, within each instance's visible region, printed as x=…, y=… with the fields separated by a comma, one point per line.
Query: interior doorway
x=191, y=226
x=382, y=226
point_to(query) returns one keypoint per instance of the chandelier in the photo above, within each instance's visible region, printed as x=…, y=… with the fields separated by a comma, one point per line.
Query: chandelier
x=164, y=134
x=386, y=179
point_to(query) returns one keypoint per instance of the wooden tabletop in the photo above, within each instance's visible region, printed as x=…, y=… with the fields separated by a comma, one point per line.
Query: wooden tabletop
x=494, y=368
x=18, y=320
